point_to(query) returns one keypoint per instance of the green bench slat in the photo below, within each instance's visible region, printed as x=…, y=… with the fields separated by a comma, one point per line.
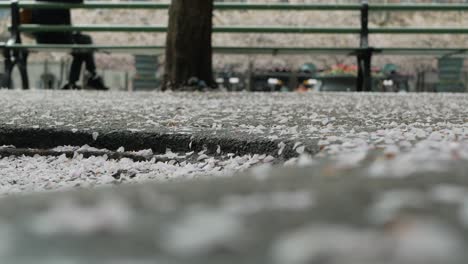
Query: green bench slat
x=279, y=29
x=251, y=50
x=102, y=48
x=443, y=30
x=252, y=6
x=424, y=51
x=218, y=6
x=95, y=5
x=286, y=6
x=418, y=7
x=29, y=28
x=285, y=50
x=160, y=49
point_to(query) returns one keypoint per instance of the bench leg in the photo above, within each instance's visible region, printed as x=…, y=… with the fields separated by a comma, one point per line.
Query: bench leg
x=367, y=73
x=360, y=74
x=364, y=78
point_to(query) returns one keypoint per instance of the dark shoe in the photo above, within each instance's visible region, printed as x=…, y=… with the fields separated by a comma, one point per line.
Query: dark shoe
x=96, y=83
x=71, y=86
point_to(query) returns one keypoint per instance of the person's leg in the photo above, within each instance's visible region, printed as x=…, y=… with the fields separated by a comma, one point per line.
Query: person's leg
x=75, y=69
x=77, y=62
x=88, y=57
x=78, y=59
x=94, y=81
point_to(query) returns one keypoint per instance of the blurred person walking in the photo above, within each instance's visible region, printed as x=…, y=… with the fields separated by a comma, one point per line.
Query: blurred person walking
x=60, y=16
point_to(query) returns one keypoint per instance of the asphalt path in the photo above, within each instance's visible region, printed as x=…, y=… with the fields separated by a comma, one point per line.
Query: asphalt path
x=240, y=123
x=356, y=179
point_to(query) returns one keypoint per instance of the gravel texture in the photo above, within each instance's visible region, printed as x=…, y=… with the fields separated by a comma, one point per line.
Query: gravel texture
x=341, y=178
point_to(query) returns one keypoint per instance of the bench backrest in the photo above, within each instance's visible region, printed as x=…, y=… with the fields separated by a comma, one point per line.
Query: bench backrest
x=363, y=51
x=364, y=31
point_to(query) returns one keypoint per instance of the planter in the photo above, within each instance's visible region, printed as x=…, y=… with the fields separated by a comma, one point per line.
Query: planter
x=338, y=83
x=342, y=83
x=450, y=87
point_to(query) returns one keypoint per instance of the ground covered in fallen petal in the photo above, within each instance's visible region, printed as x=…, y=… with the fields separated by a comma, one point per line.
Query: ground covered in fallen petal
x=138, y=137
x=269, y=215
x=281, y=123
x=38, y=173
x=326, y=178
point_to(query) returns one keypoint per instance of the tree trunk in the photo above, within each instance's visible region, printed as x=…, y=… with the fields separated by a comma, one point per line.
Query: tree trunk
x=188, y=44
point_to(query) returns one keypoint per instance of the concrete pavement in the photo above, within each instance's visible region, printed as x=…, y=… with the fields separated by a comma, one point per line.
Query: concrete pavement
x=357, y=178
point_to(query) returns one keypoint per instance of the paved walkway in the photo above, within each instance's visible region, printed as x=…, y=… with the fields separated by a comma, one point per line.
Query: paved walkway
x=294, y=216
x=239, y=123
x=358, y=179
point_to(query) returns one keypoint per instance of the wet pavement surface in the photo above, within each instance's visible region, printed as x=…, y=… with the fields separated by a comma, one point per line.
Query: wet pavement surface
x=335, y=178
